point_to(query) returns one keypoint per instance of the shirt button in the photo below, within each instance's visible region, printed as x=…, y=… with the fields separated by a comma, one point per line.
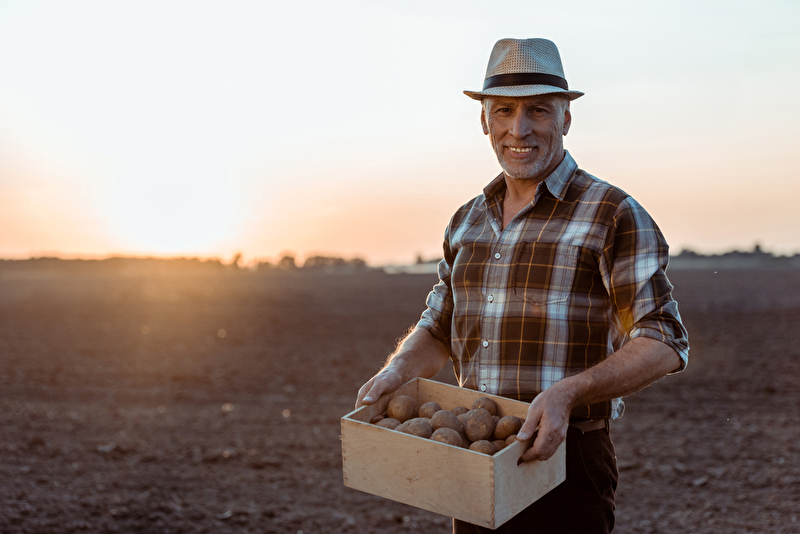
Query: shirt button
x=483, y=387
x=490, y=298
x=485, y=343
x=497, y=255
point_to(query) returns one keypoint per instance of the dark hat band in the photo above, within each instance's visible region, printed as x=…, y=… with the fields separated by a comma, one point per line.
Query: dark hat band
x=525, y=78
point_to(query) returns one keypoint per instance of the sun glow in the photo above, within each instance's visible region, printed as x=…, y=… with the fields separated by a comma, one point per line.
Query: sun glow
x=174, y=218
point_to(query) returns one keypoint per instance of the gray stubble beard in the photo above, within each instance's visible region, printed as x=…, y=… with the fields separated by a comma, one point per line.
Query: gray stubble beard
x=538, y=167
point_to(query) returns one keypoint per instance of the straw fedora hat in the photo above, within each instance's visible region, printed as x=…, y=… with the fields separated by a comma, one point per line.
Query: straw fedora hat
x=524, y=67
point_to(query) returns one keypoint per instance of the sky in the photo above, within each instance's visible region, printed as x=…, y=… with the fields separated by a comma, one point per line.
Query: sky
x=192, y=128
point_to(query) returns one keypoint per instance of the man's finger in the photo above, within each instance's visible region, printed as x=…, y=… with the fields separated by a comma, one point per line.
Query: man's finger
x=528, y=433
x=375, y=388
x=528, y=429
x=541, y=451
x=545, y=444
x=363, y=393
x=371, y=396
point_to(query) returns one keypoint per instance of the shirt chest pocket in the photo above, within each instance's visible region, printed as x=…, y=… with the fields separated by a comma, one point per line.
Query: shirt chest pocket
x=544, y=272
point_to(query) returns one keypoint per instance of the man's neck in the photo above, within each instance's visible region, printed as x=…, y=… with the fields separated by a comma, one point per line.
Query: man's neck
x=522, y=191
x=517, y=197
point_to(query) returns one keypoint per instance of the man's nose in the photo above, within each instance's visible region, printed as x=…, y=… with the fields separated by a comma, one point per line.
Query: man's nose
x=522, y=126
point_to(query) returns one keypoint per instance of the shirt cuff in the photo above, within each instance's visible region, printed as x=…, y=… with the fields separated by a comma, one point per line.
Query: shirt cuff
x=678, y=345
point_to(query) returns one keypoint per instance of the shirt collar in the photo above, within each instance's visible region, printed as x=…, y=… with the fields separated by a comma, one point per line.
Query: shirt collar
x=556, y=183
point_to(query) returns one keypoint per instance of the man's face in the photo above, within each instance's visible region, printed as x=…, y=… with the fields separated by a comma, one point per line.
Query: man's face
x=527, y=133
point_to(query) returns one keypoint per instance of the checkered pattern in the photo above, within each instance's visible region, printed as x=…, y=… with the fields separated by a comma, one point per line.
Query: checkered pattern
x=575, y=275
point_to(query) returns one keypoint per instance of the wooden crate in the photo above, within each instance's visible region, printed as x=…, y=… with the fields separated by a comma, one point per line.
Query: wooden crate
x=452, y=481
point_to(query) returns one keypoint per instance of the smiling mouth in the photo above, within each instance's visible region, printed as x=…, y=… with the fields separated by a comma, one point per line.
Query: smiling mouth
x=520, y=150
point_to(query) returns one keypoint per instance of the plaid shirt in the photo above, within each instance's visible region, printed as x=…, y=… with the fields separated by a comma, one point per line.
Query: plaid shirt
x=573, y=276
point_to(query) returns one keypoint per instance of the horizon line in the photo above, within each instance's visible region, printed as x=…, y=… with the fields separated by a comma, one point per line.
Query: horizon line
x=237, y=257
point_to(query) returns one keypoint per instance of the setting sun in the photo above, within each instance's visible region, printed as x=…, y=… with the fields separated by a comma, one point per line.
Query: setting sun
x=167, y=218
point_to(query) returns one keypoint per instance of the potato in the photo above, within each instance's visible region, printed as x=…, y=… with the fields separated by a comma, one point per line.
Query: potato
x=478, y=425
x=499, y=444
x=388, y=422
x=377, y=418
x=449, y=436
x=419, y=426
x=446, y=419
x=428, y=409
x=483, y=446
x=402, y=408
x=511, y=439
x=486, y=403
x=458, y=410
x=508, y=425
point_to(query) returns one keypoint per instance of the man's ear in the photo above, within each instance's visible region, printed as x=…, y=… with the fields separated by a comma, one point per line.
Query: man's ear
x=567, y=120
x=484, y=125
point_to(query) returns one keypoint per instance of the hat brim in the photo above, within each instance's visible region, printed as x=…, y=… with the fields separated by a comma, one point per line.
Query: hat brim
x=518, y=91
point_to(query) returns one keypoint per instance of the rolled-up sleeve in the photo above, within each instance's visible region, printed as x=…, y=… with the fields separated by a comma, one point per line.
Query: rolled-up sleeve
x=634, y=271
x=438, y=315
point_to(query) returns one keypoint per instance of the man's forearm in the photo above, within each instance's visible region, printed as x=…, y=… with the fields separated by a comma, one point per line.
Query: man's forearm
x=638, y=364
x=418, y=355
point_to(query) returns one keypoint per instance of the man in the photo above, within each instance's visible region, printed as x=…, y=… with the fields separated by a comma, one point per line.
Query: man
x=552, y=290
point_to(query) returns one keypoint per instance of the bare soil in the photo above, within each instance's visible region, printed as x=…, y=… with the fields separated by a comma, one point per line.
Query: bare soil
x=210, y=401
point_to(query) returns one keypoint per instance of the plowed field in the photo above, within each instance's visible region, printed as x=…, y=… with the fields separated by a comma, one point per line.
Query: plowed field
x=210, y=402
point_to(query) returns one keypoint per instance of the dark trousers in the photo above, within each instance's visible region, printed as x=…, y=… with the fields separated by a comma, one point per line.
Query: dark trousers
x=582, y=504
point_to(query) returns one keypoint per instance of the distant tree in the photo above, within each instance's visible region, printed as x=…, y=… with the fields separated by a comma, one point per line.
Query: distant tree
x=287, y=263
x=688, y=253
x=316, y=263
x=357, y=263
x=323, y=262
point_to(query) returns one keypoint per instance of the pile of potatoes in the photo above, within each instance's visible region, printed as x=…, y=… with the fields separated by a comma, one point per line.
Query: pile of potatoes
x=478, y=428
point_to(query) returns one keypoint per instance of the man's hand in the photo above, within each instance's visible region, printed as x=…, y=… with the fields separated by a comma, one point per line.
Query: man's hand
x=384, y=382
x=548, y=420
x=418, y=355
